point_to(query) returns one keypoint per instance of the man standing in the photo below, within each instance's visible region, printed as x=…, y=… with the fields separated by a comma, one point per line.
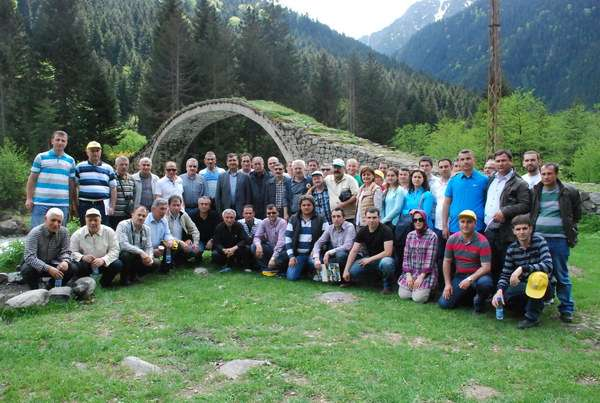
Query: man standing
x=312, y=165
x=206, y=221
x=249, y=221
x=528, y=255
x=352, y=169
x=300, y=183
x=531, y=163
x=160, y=234
x=184, y=232
x=211, y=174
x=233, y=188
x=342, y=189
x=230, y=247
x=269, y=241
x=246, y=163
x=125, y=192
x=321, y=195
x=303, y=230
x=377, y=240
x=272, y=162
x=96, y=250
x=52, y=181
x=170, y=184
x=97, y=183
x=445, y=171
x=426, y=165
x=556, y=210
x=146, y=184
x=469, y=252
x=194, y=187
x=258, y=179
x=47, y=252
x=335, y=243
x=507, y=197
x=279, y=192
x=465, y=191
x=136, y=246
x=489, y=169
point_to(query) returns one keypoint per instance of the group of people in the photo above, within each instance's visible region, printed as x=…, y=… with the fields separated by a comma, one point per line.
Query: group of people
x=469, y=237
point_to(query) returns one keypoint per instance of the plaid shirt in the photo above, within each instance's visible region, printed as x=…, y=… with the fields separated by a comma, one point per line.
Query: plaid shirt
x=322, y=204
x=279, y=193
x=420, y=257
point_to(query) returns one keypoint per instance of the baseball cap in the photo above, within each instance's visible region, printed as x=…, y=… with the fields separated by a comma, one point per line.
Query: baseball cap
x=338, y=162
x=379, y=173
x=537, y=283
x=468, y=214
x=93, y=144
x=317, y=173
x=92, y=211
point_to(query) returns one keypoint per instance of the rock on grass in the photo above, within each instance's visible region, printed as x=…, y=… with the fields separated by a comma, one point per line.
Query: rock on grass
x=236, y=368
x=29, y=298
x=140, y=367
x=475, y=391
x=337, y=297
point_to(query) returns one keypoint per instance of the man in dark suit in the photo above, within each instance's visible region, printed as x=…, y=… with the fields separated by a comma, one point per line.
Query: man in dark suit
x=258, y=187
x=233, y=188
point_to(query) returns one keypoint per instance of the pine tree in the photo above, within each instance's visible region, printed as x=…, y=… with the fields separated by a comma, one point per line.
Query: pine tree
x=372, y=112
x=167, y=84
x=325, y=93
x=353, y=75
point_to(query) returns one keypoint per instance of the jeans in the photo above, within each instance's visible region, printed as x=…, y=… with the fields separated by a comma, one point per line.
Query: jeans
x=481, y=290
x=385, y=267
x=559, y=249
x=340, y=257
x=263, y=262
x=499, y=247
x=302, y=261
x=516, y=299
x=38, y=213
x=84, y=205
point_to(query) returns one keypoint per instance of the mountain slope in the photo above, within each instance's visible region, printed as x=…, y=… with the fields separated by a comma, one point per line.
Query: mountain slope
x=552, y=47
x=392, y=38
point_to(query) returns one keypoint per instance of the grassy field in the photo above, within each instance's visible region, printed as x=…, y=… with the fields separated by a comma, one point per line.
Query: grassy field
x=376, y=349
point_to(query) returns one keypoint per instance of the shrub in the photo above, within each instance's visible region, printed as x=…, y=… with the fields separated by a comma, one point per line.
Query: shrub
x=129, y=143
x=12, y=256
x=15, y=170
x=586, y=163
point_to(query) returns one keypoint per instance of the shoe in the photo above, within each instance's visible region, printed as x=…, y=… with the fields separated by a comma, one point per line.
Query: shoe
x=566, y=317
x=549, y=302
x=478, y=306
x=345, y=285
x=386, y=291
x=248, y=270
x=225, y=269
x=526, y=323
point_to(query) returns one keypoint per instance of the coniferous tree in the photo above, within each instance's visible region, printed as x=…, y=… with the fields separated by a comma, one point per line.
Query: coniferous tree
x=325, y=92
x=353, y=76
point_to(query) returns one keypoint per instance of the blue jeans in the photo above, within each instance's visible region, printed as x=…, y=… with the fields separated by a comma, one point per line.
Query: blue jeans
x=559, y=249
x=38, y=213
x=84, y=205
x=516, y=299
x=302, y=261
x=482, y=289
x=385, y=267
x=340, y=257
x=263, y=263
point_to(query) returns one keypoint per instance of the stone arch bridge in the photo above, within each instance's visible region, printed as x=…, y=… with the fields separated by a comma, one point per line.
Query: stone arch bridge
x=296, y=135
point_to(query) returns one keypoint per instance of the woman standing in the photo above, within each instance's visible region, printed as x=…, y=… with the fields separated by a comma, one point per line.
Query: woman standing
x=419, y=272
x=369, y=195
x=419, y=197
x=393, y=199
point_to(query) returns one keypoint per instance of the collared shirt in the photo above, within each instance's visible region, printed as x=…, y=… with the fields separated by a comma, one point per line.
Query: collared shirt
x=134, y=240
x=279, y=192
x=146, y=196
x=335, y=188
x=299, y=188
x=536, y=257
x=250, y=228
x=211, y=178
x=125, y=194
x=103, y=244
x=233, y=178
x=467, y=193
x=44, y=248
x=322, y=203
x=168, y=187
x=468, y=256
x=95, y=180
x=175, y=226
x=420, y=256
x=532, y=180
x=341, y=238
x=274, y=233
x=193, y=189
x=441, y=191
x=492, y=203
x=159, y=230
x=52, y=185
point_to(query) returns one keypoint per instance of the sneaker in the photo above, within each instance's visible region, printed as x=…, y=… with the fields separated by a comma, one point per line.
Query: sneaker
x=225, y=269
x=526, y=323
x=566, y=317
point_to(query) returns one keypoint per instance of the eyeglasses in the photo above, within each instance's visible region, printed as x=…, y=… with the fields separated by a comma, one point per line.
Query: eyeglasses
x=171, y=170
x=417, y=220
x=192, y=166
x=272, y=213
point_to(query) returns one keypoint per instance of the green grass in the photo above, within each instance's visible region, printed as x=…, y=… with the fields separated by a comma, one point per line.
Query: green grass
x=377, y=349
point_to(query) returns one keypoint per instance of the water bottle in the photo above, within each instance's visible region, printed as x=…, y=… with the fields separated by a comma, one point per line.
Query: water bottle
x=168, y=256
x=58, y=282
x=161, y=250
x=95, y=273
x=500, y=308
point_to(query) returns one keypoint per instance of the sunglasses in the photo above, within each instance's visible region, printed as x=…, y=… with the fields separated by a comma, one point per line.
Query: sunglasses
x=417, y=220
x=171, y=170
x=272, y=213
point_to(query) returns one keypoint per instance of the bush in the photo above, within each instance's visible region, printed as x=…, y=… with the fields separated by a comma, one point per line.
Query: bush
x=129, y=143
x=12, y=256
x=589, y=224
x=15, y=170
x=586, y=163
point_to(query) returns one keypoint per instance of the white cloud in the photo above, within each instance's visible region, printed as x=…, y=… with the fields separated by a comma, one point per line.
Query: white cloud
x=354, y=18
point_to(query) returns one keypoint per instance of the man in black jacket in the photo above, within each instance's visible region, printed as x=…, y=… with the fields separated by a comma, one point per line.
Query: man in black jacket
x=233, y=189
x=258, y=179
x=231, y=243
x=555, y=212
x=507, y=197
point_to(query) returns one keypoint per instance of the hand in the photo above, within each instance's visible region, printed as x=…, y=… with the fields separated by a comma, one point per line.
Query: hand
x=55, y=273
x=88, y=258
x=157, y=252
x=292, y=261
x=147, y=260
x=317, y=264
x=144, y=255
x=209, y=245
x=498, y=294
x=365, y=261
x=326, y=258
x=498, y=217
x=63, y=266
x=29, y=204
x=445, y=233
x=272, y=263
x=515, y=277
x=169, y=243
x=111, y=211
x=447, y=291
x=418, y=282
x=195, y=248
x=410, y=281
x=346, y=275
x=99, y=262
x=259, y=251
x=466, y=283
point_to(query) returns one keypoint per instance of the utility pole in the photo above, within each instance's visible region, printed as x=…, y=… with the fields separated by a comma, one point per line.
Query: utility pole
x=495, y=78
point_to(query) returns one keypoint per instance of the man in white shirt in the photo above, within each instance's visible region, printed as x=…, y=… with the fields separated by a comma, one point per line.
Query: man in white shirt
x=445, y=171
x=426, y=165
x=341, y=185
x=531, y=163
x=170, y=184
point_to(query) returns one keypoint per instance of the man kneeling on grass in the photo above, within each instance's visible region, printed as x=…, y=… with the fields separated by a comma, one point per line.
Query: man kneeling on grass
x=184, y=231
x=136, y=246
x=230, y=246
x=378, y=240
x=47, y=252
x=269, y=242
x=96, y=250
x=526, y=268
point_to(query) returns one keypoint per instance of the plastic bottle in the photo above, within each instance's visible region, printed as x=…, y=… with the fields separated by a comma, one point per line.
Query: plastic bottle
x=500, y=308
x=168, y=256
x=58, y=282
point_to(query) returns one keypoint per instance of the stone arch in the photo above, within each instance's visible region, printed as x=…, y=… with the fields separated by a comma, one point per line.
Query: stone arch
x=296, y=135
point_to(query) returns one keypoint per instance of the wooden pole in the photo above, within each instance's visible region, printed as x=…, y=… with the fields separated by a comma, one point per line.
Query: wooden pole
x=495, y=78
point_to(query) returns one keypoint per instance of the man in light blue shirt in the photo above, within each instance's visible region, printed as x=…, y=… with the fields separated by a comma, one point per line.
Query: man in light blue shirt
x=211, y=174
x=159, y=227
x=194, y=187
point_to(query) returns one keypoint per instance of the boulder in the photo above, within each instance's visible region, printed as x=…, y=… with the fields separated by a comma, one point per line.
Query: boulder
x=29, y=298
x=236, y=368
x=15, y=277
x=10, y=227
x=140, y=367
x=60, y=294
x=201, y=271
x=84, y=287
x=3, y=278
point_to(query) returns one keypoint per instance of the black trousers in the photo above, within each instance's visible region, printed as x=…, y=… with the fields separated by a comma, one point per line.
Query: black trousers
x=134, y=267
x=32, y=277
x=108, y=273
x=241, y=258
x=499, y=247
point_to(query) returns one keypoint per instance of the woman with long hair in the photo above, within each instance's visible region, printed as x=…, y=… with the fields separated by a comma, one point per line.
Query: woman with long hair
x=369, y=195
x=419, y=197
x=393, y=198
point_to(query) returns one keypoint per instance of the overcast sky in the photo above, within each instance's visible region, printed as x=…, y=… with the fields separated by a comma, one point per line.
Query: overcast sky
x=354, y=18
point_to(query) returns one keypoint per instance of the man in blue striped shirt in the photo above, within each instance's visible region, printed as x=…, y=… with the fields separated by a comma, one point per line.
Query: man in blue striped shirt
x=97, y=183
x=51, y=181
x=303, y=230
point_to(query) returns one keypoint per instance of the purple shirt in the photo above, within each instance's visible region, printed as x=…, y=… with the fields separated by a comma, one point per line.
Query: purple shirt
x=272, y=233
x=340, y=239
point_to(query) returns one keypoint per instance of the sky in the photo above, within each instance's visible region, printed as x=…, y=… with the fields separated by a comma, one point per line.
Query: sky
x=354, y=18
